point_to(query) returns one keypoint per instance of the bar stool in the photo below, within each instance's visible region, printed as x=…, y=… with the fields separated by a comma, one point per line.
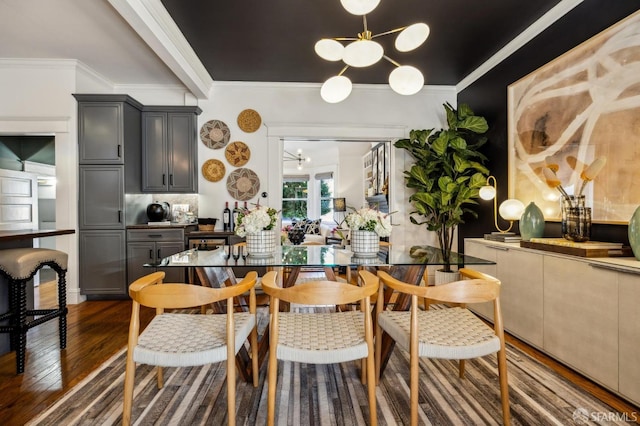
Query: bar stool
x=19, y=266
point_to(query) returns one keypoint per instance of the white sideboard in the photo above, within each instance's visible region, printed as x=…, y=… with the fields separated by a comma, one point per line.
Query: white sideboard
x=584, y=312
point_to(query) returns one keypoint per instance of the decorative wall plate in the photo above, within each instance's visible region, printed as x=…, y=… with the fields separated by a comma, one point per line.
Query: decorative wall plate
x=215, y=134
x=243, y=184
x=237, y=153
x=213, y=170
x=249, y=120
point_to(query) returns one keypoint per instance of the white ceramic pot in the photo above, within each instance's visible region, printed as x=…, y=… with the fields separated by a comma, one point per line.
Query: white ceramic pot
x=443, y=277
x=365, y=243
x=261, y=244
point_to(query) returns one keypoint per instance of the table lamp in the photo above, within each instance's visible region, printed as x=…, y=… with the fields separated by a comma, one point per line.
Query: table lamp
x=510, y=209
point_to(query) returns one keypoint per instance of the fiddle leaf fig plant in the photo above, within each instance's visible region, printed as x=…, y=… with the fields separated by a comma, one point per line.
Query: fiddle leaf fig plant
x=447, y=174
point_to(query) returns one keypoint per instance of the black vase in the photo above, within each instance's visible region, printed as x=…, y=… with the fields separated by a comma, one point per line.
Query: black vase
x=296, y=236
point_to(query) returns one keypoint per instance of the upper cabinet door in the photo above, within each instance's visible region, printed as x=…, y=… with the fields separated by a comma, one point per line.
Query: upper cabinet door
x=183, y=159
x=155, y=152
x=100, y=133
x=169, y=149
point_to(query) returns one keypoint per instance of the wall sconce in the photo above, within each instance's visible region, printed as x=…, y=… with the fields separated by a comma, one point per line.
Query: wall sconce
x=510, y=209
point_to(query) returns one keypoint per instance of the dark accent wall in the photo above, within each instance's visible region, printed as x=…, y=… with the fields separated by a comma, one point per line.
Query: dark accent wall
x=488, y=97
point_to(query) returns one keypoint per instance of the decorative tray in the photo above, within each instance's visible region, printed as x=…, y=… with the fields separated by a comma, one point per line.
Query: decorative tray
x=585, y=249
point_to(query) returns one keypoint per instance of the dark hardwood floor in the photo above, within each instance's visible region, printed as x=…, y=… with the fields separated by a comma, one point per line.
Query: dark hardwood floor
x=97, y=330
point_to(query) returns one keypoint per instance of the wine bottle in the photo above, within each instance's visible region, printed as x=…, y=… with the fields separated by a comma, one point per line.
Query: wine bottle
x=226, y=217
x=236, y=212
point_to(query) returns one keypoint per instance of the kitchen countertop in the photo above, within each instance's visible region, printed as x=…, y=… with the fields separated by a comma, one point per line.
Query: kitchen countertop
x=29, y=234
x=171, y=225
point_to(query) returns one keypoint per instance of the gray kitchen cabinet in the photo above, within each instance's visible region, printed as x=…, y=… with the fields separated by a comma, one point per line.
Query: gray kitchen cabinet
x=105, y=122
x=101, y=194
x=109, y=131
x=169, y=149
x=150, y=246
x=103, y=263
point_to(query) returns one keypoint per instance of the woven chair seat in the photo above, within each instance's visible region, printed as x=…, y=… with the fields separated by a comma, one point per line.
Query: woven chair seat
x=180, y=340
x=322, y=338
x=449, y=333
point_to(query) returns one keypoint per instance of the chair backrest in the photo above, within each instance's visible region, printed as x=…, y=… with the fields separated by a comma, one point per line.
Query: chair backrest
x=477, y=287
x=152, y=292
x=319, y=292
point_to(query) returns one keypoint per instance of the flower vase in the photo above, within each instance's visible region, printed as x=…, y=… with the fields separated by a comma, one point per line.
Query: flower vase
x=576, y=219
x=531, y=222
x=634, y=233
x=365, y=243
x=261, y=244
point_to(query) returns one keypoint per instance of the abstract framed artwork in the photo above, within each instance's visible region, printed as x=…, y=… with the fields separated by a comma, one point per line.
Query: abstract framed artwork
x=581, y=106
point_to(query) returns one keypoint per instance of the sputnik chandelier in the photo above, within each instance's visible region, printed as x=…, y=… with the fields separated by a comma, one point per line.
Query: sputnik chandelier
x=297, y=157
x=364, y=51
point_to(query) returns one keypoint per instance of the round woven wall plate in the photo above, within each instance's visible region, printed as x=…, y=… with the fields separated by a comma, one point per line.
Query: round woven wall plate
x=215, y=134
x=249, y=120
x=237, y=153
x=213, y=170
x=243, y=184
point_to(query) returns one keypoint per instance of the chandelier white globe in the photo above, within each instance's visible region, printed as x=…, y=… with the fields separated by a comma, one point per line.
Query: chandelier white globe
x=359, y=7
x=412, y=37
x=329, y=49
x=406, y=80
x=336, y=89
x=362, y=53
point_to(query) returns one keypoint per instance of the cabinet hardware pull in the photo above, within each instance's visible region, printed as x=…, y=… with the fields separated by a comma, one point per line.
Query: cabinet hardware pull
x=171, y=179
x=151, y=254
x=154, y=235
x=159, y=257
x=119, y=216
x=119, y=151
x=614, y=268
x=164, y=179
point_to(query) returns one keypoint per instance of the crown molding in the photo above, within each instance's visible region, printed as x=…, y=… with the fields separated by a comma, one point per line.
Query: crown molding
x=523, y=38
x=154, y=25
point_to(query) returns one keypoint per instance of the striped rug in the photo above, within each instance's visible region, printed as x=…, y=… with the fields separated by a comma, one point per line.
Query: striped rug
x=333, y=395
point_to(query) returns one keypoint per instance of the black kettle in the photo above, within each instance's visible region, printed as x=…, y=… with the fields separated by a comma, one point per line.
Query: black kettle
x=157, y=212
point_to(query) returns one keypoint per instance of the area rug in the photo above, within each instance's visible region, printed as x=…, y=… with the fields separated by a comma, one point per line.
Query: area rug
x=332, y=395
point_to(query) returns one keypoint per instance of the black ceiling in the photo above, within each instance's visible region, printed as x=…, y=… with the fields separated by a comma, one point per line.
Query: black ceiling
x=273, y=40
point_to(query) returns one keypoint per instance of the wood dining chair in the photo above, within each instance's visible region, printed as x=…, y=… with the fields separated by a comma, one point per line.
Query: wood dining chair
x=320, y=337
x=185, y=339
x=445, y=332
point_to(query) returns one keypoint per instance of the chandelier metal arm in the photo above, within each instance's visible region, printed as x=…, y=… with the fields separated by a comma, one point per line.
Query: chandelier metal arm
x=346, y=67
x=391, y=60
x=397, y=30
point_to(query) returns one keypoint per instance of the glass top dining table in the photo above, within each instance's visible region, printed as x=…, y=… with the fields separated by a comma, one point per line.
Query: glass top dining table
x=406, y=263
x=317, y=256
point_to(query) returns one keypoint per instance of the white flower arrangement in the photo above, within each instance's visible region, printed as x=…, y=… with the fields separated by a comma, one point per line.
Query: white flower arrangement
x=367, y=219
x=252, y=221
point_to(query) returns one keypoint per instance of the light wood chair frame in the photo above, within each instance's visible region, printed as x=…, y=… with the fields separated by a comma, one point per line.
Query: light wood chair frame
x=474, y=287
x=150, y=291
x=314, y=293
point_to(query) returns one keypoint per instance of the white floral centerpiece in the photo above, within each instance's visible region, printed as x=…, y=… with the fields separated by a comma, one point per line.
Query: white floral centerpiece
x=367, y=226
x=367, y=219
x=257, y=226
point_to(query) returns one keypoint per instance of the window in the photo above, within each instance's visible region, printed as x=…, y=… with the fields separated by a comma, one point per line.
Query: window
x=295, y=192
x=326, y=193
